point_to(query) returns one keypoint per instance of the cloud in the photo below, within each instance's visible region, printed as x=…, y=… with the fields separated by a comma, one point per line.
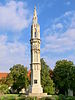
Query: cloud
x=59, y=39
x=3, y=39
x=68, y=3
x=58, y=25
x=14, y=16
x=51, y=61
x=12, y=53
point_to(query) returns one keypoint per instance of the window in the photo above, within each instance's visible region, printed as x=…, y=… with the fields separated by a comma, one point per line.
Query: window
x=35, y=34
x=35, y=81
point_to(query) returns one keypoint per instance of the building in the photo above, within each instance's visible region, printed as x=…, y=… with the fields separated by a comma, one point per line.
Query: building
x=35, y=88
x=29, y=74
x=3, y=75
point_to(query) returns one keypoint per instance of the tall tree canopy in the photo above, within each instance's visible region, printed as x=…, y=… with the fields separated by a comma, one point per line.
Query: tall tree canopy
x=64, y=76
x=46, y=81
x=17, y=77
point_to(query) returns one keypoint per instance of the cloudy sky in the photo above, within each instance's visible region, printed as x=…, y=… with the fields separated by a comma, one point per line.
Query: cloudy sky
x=57, y=22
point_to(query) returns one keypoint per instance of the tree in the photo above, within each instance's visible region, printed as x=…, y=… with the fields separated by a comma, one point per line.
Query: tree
x=51, y=73
x=17, y=77
x=73, y=80
x=3, y=81
x=46, y=81
x=64, y=76
x=4, y=89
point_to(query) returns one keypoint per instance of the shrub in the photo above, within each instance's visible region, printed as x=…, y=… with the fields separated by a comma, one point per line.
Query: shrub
x=4, y=89
x=61, y=97
x=48, y=98
x=45, y=98
x=70, y=98
x=13, y=97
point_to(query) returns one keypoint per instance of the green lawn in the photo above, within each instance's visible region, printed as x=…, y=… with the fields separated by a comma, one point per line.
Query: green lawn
x=15, y=97
x=8, y=97
x=23, y=97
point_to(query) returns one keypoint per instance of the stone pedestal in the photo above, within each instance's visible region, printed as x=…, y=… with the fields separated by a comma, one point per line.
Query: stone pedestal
x=38, y=94
x=36, y=89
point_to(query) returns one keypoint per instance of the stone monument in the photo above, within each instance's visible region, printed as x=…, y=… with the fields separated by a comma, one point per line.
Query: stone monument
x=35, y=88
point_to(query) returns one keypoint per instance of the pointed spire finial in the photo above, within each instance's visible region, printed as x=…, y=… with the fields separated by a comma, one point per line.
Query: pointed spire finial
x=35, y=15
x=35, y=7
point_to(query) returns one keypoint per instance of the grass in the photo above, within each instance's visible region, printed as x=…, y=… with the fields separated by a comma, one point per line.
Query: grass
x=9, y=97
x=16, y=97
x=23, y=97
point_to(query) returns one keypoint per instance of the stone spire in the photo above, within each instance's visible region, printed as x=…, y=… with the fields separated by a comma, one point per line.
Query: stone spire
x=36, y=88
x=35, y=16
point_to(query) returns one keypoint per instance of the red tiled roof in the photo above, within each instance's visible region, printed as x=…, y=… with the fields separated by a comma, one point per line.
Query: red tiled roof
x=3, y=75
x=29, y=72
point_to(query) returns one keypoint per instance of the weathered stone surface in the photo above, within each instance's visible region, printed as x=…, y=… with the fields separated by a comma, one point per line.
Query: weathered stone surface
x=38, y=94
x=35, y=88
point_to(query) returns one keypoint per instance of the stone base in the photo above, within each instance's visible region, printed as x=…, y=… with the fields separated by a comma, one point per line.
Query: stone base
x=38, y=94
x=36, y=89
